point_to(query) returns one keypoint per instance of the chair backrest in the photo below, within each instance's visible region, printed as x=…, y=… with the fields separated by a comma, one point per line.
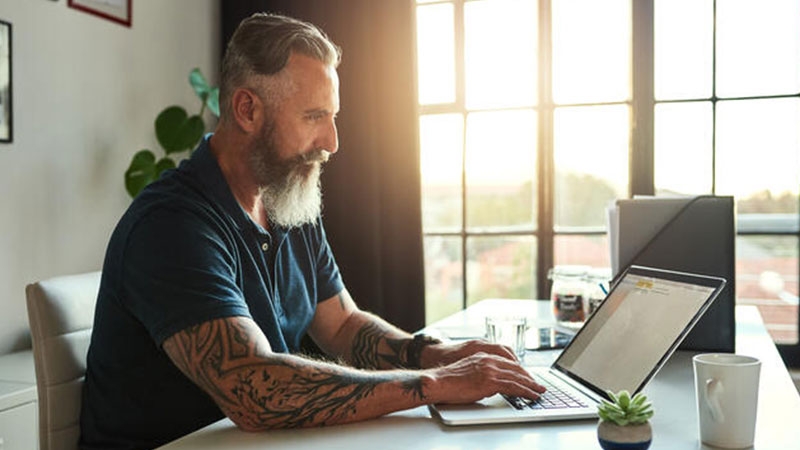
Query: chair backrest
x=61, y=312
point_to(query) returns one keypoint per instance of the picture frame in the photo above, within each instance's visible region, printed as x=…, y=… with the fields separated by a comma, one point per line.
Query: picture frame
x=6, y=97
x=118, y=11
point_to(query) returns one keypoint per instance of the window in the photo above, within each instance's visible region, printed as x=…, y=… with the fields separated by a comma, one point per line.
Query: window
x=727, y=121
x=526, y=113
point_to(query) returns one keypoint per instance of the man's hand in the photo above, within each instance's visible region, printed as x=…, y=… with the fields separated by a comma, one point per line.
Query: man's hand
x=478, y=376
x=444, y=354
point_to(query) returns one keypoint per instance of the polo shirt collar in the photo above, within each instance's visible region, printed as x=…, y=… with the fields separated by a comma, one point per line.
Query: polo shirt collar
x=216, y=187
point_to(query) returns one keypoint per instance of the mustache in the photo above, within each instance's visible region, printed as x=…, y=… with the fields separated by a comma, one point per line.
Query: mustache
x=319, y=155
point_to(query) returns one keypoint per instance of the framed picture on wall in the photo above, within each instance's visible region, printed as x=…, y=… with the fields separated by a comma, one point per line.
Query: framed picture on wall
x=115, y=10
x=6, y=112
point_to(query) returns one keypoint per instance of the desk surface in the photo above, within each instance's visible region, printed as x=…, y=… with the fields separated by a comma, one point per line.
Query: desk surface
x=17, y=379
x=672, y=392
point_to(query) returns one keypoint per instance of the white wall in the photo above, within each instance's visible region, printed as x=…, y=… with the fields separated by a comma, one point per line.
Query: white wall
x=85, y=94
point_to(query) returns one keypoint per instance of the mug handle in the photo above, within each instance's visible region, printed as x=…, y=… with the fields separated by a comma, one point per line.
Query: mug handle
x=713, y=389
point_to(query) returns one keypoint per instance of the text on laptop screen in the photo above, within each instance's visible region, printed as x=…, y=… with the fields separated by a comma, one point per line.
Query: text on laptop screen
x=644, y=316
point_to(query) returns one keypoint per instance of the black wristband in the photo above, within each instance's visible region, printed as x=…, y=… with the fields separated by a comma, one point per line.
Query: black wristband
x=414, y=349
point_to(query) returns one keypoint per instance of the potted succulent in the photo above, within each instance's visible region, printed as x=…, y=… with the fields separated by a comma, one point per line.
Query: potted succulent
x=624, y=422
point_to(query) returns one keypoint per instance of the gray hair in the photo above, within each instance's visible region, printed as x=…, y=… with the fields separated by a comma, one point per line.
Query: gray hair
x=262, y=44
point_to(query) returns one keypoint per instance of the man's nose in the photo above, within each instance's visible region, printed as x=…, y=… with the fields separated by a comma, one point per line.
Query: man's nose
x=330, y=140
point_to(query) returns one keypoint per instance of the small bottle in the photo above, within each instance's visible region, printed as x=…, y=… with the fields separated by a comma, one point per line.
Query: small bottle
x=567, y=295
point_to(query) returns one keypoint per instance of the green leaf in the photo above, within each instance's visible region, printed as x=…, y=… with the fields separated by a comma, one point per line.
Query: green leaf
x=163, y=164
x=199, y=83
x=176, y=132
x=638, y=400
x=209, y=95
x=213, y=101
x=141, y=172
x=624, y=399
x=624, y=410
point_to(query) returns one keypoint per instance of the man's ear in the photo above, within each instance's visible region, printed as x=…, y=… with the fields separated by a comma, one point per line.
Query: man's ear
x=247, y=109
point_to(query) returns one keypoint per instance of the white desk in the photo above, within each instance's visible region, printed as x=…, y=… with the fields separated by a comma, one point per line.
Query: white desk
x=672, y=392
x=18, y=402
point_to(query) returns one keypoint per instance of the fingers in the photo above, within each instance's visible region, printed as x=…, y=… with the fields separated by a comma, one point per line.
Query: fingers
x=446, y=354
x=480, y=346
x=515, y=376
x=518, y=390
x=482, y=375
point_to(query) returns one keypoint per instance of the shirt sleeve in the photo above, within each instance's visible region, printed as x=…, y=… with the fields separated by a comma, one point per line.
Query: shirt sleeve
x=179, y=270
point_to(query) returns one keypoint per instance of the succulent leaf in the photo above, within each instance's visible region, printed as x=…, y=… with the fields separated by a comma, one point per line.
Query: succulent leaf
x=624, y=409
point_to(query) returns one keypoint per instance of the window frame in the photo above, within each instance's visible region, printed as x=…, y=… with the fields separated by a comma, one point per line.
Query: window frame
x=641, y=158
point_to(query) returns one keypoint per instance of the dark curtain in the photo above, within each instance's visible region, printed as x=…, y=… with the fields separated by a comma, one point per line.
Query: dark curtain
x=371, y=188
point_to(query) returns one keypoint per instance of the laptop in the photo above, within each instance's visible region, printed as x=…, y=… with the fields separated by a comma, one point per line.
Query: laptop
x=624, y=343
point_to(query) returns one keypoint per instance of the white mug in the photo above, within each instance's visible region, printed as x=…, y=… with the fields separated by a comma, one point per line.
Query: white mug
x=726, y=386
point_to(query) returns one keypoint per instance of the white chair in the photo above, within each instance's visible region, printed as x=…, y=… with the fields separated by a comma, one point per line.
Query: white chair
x=61, y=312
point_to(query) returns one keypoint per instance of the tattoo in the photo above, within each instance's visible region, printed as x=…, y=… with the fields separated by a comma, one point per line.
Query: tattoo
x=414, y=387
x=279, y=391
x=307, y=398
x=366, y=348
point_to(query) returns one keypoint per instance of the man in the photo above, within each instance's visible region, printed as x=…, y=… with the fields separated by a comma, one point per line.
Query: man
x=217, y=271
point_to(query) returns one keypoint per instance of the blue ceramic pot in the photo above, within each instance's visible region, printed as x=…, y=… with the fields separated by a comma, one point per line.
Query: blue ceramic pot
x=630, y=437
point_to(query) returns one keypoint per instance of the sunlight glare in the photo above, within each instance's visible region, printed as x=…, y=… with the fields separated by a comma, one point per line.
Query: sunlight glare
x=441, y=143
x=684, y=36
x=758, y=146
x=594, y=140
x=501, y=148
x=758, y=47
x=436, y=54
x=683, y=153
x=591, y=51
x=500, y=53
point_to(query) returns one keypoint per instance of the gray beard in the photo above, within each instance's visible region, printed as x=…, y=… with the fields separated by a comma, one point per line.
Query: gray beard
x=290, y=189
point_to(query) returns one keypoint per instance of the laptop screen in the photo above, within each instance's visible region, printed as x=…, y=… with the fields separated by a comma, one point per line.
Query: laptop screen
x=638, y=326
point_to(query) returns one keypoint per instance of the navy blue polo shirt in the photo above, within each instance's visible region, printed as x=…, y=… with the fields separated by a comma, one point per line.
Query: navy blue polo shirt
x=185, y=253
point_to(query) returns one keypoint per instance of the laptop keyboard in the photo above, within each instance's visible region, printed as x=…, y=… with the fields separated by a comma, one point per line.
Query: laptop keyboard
x=554, y=398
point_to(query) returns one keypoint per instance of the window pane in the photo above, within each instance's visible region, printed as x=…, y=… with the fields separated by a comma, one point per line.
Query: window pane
x=591, y=162
x=582, y=250
x=684, y=32
x=441, y=149
x=443, y=277
x=500, y=267
x=758, y=47
x=683, y=156
x=758, y=151
x=501, y=53
x=501, y=168
x=591, y=51
x=436, y=54
x=766, y=276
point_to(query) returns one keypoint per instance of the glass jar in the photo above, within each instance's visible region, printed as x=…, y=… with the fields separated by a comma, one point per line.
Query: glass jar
x=597, y=280
x=567, y=295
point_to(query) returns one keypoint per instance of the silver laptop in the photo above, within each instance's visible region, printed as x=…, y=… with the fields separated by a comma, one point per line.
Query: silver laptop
x=623, y=344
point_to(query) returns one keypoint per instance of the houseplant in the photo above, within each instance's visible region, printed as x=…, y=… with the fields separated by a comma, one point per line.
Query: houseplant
x=624, y=422
x=176, y=132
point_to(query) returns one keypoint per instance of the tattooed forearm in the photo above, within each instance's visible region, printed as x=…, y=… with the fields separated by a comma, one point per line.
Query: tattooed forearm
x=258, y=389
x=306, y=399
x=367, y=350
